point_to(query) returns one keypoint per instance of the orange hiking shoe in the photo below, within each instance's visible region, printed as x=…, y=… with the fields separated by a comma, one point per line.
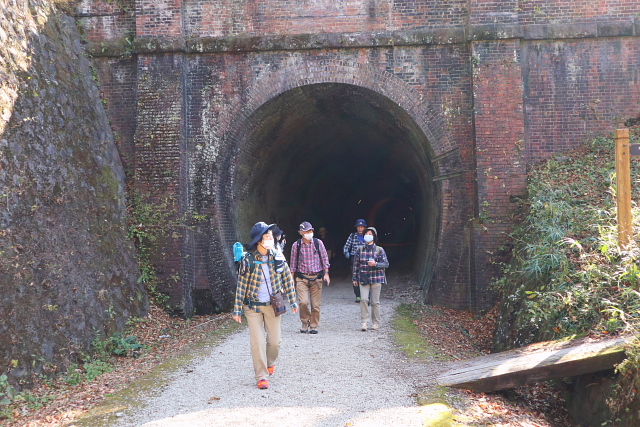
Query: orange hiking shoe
x=263, y=384
x=271, y=369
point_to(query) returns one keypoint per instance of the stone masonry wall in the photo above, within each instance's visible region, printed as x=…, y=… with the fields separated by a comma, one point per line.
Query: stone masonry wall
x=68, y=271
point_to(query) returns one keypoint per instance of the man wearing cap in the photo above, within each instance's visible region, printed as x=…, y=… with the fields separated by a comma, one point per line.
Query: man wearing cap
x=257, y=280
x=310, y=265
x=355, y=240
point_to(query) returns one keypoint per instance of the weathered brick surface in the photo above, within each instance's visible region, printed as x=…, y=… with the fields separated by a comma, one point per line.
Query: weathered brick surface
x=577, y=89
x=230, y=17
x=159, y=161
x=159, y=18
x=592, y=11
x=118, y=87
x=102, y=21
x=492, y=86
x=215, y=131
x=500, y=143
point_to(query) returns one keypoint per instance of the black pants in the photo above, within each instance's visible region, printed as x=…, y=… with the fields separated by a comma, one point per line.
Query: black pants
x=356, y=289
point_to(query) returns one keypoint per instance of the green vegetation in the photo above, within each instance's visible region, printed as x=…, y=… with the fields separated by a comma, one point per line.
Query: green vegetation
x=567, y=276
x=88, y=368
x=151, y=223
x=9, y=396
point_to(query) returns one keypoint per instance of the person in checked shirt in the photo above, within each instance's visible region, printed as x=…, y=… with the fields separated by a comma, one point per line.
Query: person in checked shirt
x=310, y=265
x=257, y=279
x=368, y=273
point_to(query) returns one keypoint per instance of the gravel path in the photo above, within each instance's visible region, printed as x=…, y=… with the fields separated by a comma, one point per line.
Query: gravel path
x=339, y=377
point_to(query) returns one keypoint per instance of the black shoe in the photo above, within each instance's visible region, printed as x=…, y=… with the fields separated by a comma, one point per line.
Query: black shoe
x=313, y=331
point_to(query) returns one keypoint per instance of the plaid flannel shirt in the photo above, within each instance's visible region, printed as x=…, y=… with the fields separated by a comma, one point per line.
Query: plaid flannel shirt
x=353, y=243
x=362, y=272
x=249, y=284
x=309, y=261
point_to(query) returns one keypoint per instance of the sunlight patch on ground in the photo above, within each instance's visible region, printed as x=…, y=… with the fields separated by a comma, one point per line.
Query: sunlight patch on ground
x=310, y=417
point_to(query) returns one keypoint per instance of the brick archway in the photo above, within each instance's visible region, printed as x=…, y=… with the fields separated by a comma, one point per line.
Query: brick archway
x=429, y=146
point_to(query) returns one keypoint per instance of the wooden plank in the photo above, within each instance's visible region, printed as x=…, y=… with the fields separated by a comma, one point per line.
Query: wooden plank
x=623, y=177
x=538, y=362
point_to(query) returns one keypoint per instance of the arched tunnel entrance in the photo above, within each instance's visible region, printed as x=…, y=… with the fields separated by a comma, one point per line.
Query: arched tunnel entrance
x=332, y=153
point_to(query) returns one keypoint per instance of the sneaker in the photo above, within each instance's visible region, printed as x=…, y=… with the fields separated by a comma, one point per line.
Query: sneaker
x=313, y=331
x=271, y=369
x=304, y=328
x=375, y=326
x=263, y=384
x=358, y=300
x=364, y=327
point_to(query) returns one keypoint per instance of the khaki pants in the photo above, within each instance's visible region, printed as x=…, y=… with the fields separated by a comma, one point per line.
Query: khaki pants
x=372, y=292
x=263, y=352
x=304, y=288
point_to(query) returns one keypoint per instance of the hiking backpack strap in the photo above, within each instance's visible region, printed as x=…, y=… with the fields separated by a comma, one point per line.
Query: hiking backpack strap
x=315, y=241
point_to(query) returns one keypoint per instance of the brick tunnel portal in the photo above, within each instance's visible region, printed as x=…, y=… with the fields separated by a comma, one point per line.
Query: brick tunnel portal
x=330, y=154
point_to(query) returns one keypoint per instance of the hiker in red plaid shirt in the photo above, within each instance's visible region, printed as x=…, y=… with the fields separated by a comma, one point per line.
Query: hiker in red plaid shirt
x=310, y=267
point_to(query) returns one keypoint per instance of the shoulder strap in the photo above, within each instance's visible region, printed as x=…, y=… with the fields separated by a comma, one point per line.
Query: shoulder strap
x=316, y=241
x=299, y=242
x=245, y=265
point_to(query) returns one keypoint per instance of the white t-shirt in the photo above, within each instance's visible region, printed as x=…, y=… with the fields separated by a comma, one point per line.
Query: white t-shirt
x=263, y=293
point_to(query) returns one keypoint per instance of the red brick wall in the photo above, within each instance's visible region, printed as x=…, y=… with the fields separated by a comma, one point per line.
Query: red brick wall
x=231, y=17
x=117, y=80
x=224, y=91
x=539, y=11
x=507, y=83
x=577, y=89
x=159, y=164
x=159, y=18
x=500, y=157
x=107, y=20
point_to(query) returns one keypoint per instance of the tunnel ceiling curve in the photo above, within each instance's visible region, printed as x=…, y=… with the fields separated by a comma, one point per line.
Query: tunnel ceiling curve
x=331, y=153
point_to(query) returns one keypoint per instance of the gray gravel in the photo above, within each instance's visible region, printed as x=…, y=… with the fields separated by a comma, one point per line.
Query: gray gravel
x=339, y=377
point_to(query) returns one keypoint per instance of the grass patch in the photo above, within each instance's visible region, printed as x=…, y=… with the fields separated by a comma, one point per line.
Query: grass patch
x=409, y=338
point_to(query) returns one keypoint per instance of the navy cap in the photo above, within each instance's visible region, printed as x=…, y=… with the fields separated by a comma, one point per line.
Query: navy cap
x=258, y=230
x=305, y=226
x=361, y=222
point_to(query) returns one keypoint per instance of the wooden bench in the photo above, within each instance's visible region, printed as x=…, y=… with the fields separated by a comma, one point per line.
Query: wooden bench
x=536, y=362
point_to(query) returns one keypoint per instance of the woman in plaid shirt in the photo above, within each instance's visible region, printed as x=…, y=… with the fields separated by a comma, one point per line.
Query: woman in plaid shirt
x=256, y=281
x=368, y=273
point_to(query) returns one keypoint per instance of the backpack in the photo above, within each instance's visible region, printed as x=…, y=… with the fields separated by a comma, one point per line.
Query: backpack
x=242, y=261
x=238, y=251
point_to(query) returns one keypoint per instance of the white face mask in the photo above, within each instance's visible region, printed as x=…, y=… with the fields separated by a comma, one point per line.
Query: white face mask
x=308, y=236
x=368, y=238
x=267, y=244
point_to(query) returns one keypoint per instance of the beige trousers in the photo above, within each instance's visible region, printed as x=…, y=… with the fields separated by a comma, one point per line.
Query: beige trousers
x=370, y=292
x=264, y=352
x=309, y=292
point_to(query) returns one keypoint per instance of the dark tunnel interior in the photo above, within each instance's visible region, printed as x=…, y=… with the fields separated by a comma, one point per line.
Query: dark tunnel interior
x=330, y=154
